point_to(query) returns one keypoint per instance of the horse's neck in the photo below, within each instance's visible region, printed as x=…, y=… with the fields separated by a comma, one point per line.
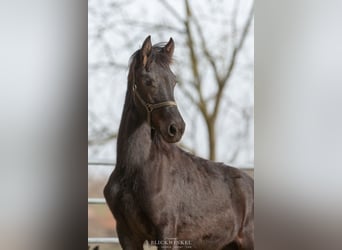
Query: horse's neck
x=134, y=138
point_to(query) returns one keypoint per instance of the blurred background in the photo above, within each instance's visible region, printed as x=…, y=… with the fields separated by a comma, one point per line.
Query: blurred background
x=214, y=65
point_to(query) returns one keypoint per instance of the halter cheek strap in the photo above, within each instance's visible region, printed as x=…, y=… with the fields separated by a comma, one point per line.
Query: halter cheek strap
x=151, y=106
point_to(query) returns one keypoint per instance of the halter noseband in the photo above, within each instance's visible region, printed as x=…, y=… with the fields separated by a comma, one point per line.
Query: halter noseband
x=151, y=106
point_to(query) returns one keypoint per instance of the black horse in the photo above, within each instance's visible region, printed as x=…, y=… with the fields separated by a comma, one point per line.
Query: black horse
x=160, y=193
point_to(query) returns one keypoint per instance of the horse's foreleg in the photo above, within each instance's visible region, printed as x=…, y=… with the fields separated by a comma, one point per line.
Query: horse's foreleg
x=168, y=235
x=246, y=241
x=126, y=239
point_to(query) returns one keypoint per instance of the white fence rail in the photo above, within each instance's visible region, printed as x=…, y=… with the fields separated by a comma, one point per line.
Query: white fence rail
x=101, y=201
x=104, y=240
x=96, y=201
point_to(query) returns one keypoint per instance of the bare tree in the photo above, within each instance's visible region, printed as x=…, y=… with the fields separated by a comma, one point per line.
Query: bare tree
x=201, y=59
x=221, y=79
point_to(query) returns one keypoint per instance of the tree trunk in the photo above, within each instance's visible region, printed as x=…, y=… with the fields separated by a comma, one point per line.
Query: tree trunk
x=211, y=139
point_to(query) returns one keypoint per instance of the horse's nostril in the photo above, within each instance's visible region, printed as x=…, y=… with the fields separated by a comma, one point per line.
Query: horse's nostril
x=172, y=130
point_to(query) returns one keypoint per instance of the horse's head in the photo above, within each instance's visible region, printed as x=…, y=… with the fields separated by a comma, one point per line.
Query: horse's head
x=153, y=88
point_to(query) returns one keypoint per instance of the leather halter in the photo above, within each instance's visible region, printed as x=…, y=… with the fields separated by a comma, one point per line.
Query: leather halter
x=151, y=106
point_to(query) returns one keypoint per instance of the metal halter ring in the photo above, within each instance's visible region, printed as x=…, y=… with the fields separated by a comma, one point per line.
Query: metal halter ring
x=151, y=106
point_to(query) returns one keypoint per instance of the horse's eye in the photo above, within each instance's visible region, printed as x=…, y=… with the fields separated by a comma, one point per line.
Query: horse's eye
x=149, y=83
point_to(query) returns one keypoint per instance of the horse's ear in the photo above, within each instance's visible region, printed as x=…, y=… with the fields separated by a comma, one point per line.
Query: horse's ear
x=169, y=47
x=146, y=50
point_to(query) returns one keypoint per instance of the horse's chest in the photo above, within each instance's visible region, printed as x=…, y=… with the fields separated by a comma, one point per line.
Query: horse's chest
x=131, y=211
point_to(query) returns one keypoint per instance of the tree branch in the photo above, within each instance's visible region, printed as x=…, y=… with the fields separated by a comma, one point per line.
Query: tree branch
x=169, y=8
x=155, y=26
x=194, y=61
x=103, y=140
x=231, y=66
x=240, y=44
x=206, y=50
x=101, y=65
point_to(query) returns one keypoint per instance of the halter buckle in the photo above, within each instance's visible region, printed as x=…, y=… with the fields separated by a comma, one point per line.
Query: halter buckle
x=149, y=107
